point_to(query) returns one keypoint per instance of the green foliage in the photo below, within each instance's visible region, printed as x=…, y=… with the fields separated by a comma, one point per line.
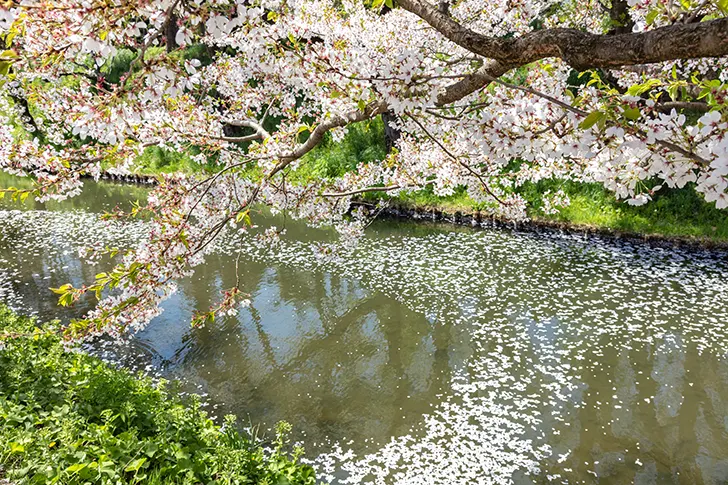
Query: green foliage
x=363, y=143
x=672, y=212
x=156, y=160
x=68, y=418
x=118, y=66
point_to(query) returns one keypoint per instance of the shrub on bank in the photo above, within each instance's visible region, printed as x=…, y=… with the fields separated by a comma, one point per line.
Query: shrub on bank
x=68, y=418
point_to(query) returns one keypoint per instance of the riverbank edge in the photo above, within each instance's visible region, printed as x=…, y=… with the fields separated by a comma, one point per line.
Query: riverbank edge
x=129, y=427
x=427, y=213
x=479, y=220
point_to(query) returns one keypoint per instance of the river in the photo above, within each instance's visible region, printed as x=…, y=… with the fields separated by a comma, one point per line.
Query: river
x=432, y=354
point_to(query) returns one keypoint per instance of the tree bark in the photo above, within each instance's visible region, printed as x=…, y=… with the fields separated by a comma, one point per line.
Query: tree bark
x=170, y=33
x=391, y=132
x=583, y=50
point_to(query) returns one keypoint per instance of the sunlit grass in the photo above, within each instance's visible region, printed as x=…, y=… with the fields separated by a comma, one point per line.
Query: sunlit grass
x=673, y=212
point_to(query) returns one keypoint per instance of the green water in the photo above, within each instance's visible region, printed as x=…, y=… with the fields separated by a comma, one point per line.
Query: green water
x=432, y=354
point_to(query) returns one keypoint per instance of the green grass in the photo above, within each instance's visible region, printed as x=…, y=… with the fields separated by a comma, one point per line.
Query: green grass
x=68, y=418
x=363, y=143
x=673, y=212
x=156, y=160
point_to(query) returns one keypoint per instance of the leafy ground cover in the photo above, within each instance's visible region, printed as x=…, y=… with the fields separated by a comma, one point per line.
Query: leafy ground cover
x=68, y=418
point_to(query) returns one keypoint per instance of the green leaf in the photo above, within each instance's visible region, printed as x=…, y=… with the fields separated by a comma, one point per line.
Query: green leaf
x=183, y=238
x=245, y=217
x=4, y=68
x=389, y=3
x=9, y=38
x=651, y=16
x=16, y=448
x=672, y=90
x=66, y=300
x=639, y=89
x=76, y=468
x=632, y=114
x=705, y=92
x=592, y=119
x=61, y=290
x=135, y=465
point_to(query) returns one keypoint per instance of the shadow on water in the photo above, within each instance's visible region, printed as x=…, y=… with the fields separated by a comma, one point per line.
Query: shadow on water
x=547, y=359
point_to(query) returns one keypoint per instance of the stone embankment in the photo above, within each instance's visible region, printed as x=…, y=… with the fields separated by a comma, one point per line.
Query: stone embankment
x=129, y=179
x=481, y=220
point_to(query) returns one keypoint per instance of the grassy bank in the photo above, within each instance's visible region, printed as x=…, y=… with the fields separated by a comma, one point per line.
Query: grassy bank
x=673, y=212
x=68, y=418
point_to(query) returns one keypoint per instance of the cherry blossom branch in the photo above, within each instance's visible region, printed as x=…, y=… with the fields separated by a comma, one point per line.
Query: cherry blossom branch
x=387, y=188
x=637, y=132
x=259, y=130
x=458, y=160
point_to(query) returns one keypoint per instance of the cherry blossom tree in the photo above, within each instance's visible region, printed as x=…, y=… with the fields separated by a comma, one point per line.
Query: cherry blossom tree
x=485, y=95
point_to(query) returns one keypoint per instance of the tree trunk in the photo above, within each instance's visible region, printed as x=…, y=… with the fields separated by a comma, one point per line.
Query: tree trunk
x=171, y=32
x=391, y=132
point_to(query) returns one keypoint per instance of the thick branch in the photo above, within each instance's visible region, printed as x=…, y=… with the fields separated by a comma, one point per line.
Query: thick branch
x=689, y=105
x=583, y=50
x=260, y=132
x=361, y=191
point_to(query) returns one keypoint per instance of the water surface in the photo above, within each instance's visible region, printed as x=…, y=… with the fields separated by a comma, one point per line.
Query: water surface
x=433, y=354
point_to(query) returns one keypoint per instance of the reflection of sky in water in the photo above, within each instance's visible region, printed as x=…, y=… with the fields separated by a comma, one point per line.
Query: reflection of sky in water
x=442, y=356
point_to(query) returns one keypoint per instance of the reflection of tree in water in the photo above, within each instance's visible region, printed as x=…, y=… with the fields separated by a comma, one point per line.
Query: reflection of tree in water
x=639, y=420
x=317, y=350
x=95, y=196
x=37, y=266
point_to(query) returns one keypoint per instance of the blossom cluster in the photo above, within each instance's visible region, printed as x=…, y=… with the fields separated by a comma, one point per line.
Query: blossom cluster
x=254, y=85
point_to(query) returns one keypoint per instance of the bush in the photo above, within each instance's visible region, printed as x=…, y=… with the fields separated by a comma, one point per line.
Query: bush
x=68, y=418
